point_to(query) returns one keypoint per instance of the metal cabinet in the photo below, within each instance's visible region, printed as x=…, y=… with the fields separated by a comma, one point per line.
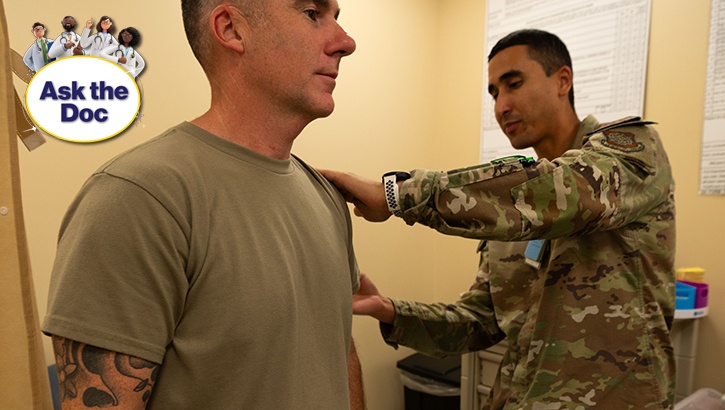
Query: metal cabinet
x=478, y=373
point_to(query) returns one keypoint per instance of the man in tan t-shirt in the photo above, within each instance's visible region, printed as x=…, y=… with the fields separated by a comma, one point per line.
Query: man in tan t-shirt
x=209, y=267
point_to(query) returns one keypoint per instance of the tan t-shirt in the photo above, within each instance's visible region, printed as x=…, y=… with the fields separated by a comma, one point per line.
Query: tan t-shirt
x=232, y=269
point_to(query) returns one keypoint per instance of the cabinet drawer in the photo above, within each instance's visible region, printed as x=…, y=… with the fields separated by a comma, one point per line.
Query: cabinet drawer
x=489, y=367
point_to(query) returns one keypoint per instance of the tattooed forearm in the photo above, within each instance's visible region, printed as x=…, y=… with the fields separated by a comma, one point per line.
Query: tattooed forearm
x=91, y=377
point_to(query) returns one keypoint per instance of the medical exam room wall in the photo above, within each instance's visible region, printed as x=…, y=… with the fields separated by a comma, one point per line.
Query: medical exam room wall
x=409, y=97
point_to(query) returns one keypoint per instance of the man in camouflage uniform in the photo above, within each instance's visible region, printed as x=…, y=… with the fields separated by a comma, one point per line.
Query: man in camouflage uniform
x=587, y=317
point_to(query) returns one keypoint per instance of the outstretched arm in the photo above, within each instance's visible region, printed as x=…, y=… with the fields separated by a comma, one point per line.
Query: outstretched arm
x=86, y=35
x=368, y=196
x=436, y=329
x=90, y=377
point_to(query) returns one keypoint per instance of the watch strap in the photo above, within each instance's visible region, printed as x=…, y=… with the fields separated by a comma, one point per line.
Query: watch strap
x=392, y=194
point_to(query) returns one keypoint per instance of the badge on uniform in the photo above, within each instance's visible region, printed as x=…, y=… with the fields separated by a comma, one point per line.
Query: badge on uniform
x=534, y=252
x=622, y=141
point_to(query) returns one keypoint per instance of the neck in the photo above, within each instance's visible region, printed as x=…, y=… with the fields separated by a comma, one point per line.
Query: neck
x=561, y=138
x=240, y=118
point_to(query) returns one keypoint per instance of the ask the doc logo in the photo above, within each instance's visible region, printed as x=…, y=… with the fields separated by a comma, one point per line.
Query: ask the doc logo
x=82, y=99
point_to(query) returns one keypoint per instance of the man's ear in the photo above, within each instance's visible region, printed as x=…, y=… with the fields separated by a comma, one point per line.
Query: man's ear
x=229, y=27
x=565, y=80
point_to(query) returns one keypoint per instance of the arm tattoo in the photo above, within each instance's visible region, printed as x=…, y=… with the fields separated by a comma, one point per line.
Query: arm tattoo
x=102, y=378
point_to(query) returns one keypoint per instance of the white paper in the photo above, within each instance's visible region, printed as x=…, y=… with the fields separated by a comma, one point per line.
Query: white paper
x=607, y=40
x=712, y=169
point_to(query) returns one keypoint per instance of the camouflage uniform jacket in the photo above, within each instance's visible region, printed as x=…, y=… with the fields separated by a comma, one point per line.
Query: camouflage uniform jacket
x=591, y=325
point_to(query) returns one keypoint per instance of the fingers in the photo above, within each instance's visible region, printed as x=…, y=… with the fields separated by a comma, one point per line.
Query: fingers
x=363, y=278
x=326, y=173
x=367, y=195
x=343, y=180
x=368, y=301
x=336, y=177
x=348, y=196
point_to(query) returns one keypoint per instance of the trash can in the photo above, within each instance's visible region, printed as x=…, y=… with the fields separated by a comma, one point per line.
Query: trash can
x=703, y=399
x=431, y=383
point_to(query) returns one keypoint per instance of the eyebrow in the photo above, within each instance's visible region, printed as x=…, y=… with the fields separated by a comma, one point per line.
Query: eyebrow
x=505, y=76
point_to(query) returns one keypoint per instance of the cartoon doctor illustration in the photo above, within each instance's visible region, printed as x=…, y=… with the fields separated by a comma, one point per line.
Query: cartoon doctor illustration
x=94, y=45
x=66, y=44
x=124, y=53
x=37, y=55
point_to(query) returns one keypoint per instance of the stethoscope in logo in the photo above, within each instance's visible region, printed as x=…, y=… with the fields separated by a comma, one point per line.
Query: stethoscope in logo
x=63, y=40
x=37, y=44
x=118, y=50
x=100, y=41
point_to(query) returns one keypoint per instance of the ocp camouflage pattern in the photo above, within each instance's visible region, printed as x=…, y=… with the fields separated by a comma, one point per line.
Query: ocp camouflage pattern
x=590, y=327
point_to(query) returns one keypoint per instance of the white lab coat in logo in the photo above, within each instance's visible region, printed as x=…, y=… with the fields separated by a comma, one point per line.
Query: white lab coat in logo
x=33, y=58
x=93, y=45
x=134, y=63
x=58, y=50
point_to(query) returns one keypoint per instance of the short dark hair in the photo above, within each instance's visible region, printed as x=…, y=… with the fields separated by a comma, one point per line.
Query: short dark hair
x=38, y=24
x=136, y=36
x=543, y=47
x=196, y=23
x=110, y=29
x=192, y=14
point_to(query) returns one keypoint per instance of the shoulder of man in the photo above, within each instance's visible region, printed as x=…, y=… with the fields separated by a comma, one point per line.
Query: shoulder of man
x=626, y=121
x=171, y=155
x=630, y=138
x=315, y=175
x=329, y=188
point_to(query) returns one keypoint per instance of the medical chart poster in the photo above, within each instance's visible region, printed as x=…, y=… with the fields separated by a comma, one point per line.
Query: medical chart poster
x=712, y=169
x=608, y=42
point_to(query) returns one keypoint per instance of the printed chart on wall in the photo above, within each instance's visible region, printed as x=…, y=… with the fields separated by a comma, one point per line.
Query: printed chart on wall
x=712, y=170
x=607, y=40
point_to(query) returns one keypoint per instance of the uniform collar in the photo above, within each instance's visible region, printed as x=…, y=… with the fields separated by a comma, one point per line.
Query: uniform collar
x=586, y=127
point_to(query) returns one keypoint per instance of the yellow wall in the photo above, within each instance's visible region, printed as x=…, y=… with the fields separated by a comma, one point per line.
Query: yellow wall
x=675, y=97
x=409, y=97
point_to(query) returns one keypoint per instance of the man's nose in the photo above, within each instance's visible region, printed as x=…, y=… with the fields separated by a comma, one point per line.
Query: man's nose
x=341, y=43
x=502, y=106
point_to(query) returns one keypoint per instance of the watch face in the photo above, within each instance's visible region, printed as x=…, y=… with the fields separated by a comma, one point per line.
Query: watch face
x=399, y=175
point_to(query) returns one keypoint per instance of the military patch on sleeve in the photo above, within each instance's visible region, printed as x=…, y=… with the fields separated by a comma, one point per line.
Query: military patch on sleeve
x=621, y=141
